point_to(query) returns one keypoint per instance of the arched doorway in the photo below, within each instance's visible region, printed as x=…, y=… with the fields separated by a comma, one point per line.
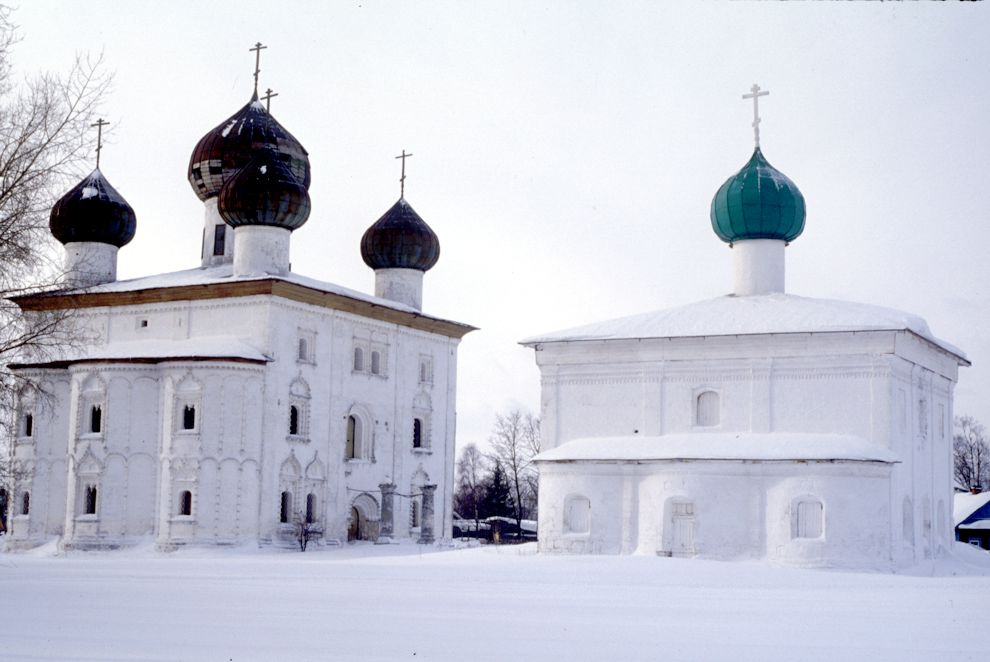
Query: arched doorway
x=364, y=519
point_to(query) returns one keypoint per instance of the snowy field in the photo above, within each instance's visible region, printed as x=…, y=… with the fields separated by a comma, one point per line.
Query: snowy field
x=406, y=602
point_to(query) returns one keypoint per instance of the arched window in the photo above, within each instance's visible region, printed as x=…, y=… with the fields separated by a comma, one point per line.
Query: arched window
x=358, y=359
x=185, y=503
x=310, y=508
x=577, y=515
x=26, y=503
x=353, y=434
x=90, y=505
x=95, y=419
x=707, y=409
x=417, y=433
x=285, y=507
x=28, y=425
x=415, y=514
x=293, y=419
x=808, y=519
x=376, y=362
x=189, y=417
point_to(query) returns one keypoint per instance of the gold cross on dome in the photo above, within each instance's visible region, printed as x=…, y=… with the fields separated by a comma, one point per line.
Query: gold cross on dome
x=402, y=179
x=755, y=94
x=99, y=124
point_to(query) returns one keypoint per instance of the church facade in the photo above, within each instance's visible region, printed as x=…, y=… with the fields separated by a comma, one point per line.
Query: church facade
x=237, y=402
x=758, y=425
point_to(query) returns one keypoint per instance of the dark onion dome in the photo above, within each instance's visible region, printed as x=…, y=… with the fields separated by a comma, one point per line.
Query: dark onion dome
x=228, y=148
x=93, y=211
x=758, y=202
x=264, y=192
x=400, y=239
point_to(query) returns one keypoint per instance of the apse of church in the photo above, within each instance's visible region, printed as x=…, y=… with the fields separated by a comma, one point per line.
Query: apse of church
x=238, y=401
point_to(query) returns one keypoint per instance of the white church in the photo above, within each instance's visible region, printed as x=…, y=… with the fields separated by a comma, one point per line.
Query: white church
x=756, y=425
x=237, y=401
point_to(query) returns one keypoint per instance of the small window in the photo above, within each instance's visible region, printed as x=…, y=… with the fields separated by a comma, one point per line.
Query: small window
x=185, y=503
x=26, y=503
x=417, y=433
x=142, y=324
x=358, y=359
x=415, y=513
x=90, y=505
x=425, y=370
x=376, y=363
x=310, y=508
x=808, y=522
x=293, y=419
x=683, y=508
x=95, y=419
x=285, y=508
x=707, y=409
x=577, y=515
x=303, y=350
x=189, y=417
x=219, y=238
x=28, y=425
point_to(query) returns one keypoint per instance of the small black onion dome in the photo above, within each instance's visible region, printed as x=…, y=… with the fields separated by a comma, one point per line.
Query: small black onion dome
x=264, y=192
x=93, y=211
x=222, y=152
x=400, y=239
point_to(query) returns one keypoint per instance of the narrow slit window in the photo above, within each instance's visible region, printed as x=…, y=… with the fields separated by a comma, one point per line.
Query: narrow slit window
x=95, y=419
x=26, y=503
x=189, y=417
x=417, y=433
x=303, y=350
x=185, y=503
x=219, y=239
x=285, y=507
x=358, y=359
x=90, y=506
x=310, y=508
x=293, y=419
x=353, y=432
x=28, y=425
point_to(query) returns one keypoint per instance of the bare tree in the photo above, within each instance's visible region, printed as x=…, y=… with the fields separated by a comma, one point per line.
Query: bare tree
x=470, y=483
x=971, y=453
x=513, y=445
x=44, y=141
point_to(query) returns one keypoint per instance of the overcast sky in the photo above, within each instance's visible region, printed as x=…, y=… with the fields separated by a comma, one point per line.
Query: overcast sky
x=566, y=153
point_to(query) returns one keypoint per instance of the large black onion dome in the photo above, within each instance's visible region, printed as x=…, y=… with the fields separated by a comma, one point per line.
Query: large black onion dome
x=264, y=192
x=93, y=211
x=400, y=239
x=222, y=152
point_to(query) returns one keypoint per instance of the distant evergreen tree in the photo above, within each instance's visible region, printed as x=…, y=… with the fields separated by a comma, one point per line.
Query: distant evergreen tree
x=497, y=500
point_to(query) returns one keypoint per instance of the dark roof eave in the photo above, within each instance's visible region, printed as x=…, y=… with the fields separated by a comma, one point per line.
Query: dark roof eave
x=138, y=360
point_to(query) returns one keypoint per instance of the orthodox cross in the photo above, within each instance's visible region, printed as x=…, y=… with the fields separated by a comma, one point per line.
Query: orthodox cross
x=402, y=179
x=755, y=94
x=99, y=124
x=268, y=99
x=257, y=63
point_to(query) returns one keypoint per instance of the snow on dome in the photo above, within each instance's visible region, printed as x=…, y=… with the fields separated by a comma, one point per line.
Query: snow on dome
x=93, y=211
x=770, y=446
x=264, y=192
x=228, y=147
x=750, y=315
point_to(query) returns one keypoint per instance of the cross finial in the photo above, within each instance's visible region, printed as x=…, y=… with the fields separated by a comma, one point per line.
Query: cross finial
x=755, y=94
x=267, y=98
x=402, y=179
x=99, y=124
x=257, y=48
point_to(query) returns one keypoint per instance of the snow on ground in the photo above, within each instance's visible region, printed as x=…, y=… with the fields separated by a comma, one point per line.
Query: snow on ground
x=407, y=602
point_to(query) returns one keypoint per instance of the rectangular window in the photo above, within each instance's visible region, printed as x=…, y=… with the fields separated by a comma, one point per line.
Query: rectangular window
x=95, y=419
x=219, y=239
x=185, y=503
x=425, y=370
x=809, y=520
x=90, y=506
x=29, y=425
x=189, y=417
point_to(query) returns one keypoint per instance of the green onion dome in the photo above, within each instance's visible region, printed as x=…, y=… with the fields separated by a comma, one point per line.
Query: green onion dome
x=93, y=211
x=264, y=192
x=758, y=202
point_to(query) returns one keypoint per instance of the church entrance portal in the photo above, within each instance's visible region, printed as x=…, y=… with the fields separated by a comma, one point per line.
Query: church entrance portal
x=364, y=520
x=680, y=526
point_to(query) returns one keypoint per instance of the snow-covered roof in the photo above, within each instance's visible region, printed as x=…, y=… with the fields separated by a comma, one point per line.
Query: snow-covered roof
x=770, y=446
x=157, y=350
x=210, y=282
x=965, y=504
x=750, y=315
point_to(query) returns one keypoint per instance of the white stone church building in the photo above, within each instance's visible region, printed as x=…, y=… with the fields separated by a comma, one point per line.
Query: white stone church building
x=757, y=425
x=237, y=401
